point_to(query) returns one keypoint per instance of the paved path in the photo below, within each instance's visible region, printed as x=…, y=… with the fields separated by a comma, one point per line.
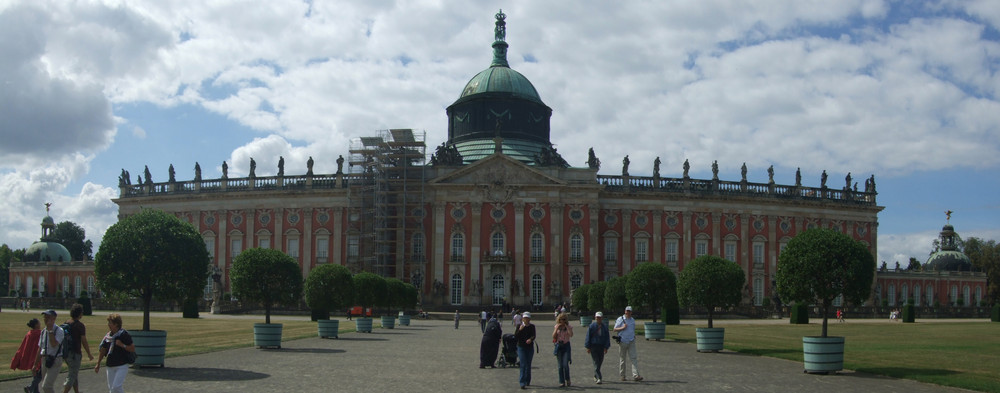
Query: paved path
x=431, y=356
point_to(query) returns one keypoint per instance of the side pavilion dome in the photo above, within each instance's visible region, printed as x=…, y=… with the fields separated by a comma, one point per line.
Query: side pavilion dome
x=948, y=258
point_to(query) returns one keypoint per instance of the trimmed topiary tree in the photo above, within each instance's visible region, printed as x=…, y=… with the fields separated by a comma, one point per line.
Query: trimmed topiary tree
x=329, y=287
x=581, y=298
x=614, y=295
x=190, y=308
x=84, y=301
x=710, y=281
x=650, y=286
x=595, y=296
x=820, y=264
x=800, y=314
x=267, y=277
x=995, y=313
x=395, y=292
x=151, y=254
x=369, y=290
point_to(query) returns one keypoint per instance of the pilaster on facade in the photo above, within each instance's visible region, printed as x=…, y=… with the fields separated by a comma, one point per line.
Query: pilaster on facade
x=438, y=230
x=338, y=231
x=475, y=235
x=556, y=246
x=626, y=242
x=593, y=213
x=307, y=235
x=716, y=232
x=746, y=252
x=520, y=255
x=279, y=224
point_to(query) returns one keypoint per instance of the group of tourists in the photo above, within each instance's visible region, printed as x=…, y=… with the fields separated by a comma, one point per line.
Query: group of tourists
x=43, y=352
x=597, y=341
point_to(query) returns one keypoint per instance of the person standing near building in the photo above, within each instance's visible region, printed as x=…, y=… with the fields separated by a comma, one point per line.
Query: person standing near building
x=24, y=358
x=525, y=336
x=597, y=341
x=517, y=319
x=483, y=317
x=625, y=327
x=114, y=346
x=562, y=332
x=78, y=332
x=48, y=352
x=457, y=317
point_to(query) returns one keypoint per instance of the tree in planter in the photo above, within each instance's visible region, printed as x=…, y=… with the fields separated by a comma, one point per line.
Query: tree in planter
x=614, y=295
x=369, y=290
x=820, y=264
x=151, y=254
x=581, y=298
x=267, y=277
x=595, y=295
x=710, y=281
x=329, y=287
x=649, y=286
x=395, y=294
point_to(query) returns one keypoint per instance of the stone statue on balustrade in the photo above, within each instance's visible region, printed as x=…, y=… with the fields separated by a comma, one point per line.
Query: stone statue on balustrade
x=798, y=177
x=225, y=170
x=281, y=166
x=625, y=163
x=743, y=171
x=656, y=167
x=309, y=166
x=848, y=179
x=770, y=174
x=687, y=167
x=592, y=161
x=149, y=178
x=715, y=170
x=340, y=164
x=171, y=175
x=197, y=171
x=123, y=179
x=822, y=179
x=253, y=168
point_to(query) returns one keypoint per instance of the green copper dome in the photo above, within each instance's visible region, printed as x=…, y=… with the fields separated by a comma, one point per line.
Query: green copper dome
x=948, y=258
x=46, y=251
x=501, y=79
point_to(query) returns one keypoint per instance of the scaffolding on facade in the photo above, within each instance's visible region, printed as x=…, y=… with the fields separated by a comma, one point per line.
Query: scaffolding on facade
x=386, y=205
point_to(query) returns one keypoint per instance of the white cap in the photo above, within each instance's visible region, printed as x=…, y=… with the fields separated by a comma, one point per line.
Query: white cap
x=599, y=315
x=526, y=315
x=629, y=308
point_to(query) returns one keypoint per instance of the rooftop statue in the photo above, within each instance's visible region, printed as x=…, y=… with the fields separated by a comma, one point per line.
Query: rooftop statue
x=743, y=170
x=592, y=161
x=309, y=166
x=225, y=170
x=687, y=167
x=625, y=162
x=281, y=166
x=122, y=181
x=253, y=167
x=848, y=179
x=340, y=164
x=149, y=178
x=171, y=174
x=798, y=177
x=822, y=179
x=656, y=167
x=770, y=174
x=715, y=170
x=197, y=171
x=872, y=180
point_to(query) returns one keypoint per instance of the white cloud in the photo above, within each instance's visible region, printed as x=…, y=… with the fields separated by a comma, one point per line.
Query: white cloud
x=138, y=132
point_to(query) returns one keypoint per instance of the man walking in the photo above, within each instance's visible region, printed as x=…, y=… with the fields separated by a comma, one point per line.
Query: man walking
x=49, y=359
x=597, y=343
x=78, y=333
x=625, y=327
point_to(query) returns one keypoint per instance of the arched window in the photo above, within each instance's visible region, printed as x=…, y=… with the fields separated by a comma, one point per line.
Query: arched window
x=979, y=296
x=77, y=288
x=537, y=254
x=65, y=285
x=30, y=287
x=499, y=289
x=456, y=289
x=17, y=285
x=497, y=243
x=457, y=248
x=41, y=286
x=952, y=297
x=418, y=246
x=930, y=295
x=966, y=296
x=892, y=294
x=642, y=250
x=838, y=301
x=575, y=280
x=916, y=295
x=905, y=292
x=576, y=248
x=536, y=289
x=90, y=286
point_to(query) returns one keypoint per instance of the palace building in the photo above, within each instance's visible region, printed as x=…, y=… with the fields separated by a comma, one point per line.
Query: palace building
x=494, y=214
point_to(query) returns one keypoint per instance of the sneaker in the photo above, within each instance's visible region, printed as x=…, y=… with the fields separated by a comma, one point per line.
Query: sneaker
x=638, y=378
x=598, y=381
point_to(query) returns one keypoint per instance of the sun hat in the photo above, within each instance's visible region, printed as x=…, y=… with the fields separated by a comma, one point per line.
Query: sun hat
x=526, y=315
x=629, y=308
x=599, y=315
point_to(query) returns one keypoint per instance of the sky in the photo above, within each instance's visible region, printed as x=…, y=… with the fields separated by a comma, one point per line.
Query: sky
x=906, y=91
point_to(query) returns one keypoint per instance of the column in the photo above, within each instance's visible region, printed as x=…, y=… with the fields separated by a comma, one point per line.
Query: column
x=556, y=247
x=626, y=241
x=716, y=233
x=594, y=214
x=657, y=243
x=439, y=239
x=338, y=237
x=475, y=232
x=307, y=235
x=521, y=257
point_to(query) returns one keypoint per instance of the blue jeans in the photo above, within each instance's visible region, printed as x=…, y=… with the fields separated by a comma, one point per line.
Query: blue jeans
x=524, y=355
x=597, y=355
x=562, y=357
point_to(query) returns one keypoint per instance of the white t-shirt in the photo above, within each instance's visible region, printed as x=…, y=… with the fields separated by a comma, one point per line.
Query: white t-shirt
x=44, y=343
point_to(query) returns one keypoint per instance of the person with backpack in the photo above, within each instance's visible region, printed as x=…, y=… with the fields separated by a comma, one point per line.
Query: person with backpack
x=24, y=358
x=117, y=346
x=76, y=339
x=49, y=359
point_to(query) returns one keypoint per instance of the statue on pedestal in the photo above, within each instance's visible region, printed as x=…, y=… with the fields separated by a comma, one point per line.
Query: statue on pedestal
x=625, y=162
x=743, y=171
x=715, y=170
x=171, y=174
x=197, y=171
x=687, y=167
x=309, y=166
x=340, y=164
x=592, y=161
x=225, y=170
x=281, y=166
x=253, y=168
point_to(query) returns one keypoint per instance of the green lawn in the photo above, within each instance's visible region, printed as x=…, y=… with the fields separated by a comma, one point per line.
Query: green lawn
x=959, y=354
x=184, y=336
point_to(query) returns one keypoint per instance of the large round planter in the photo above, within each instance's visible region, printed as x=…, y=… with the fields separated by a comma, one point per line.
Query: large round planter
x=585, y=320
x=363, y=325
x=150, y=347
x=655, y=330
x=267, y=335
x=404, y=320
x=709, y=339
x=328, y=328
x=388, y=322
x=823, y=355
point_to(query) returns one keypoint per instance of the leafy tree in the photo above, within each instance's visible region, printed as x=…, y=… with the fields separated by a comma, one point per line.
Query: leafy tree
x=595, y=296
x=985, y=257
x=329, y=287
x=151, y=254
x=914, y=265
x=581, y=296
x=369, y=289
x=710, y=281
x=395, y=294
x=614, y=295
x=6, y=257
x=74, y=238
x=650, y=286
x=820, y=264
x=411, y=296
x=266, y=276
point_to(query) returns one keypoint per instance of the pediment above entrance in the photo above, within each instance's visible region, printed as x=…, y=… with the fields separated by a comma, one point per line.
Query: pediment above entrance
x=498, y=170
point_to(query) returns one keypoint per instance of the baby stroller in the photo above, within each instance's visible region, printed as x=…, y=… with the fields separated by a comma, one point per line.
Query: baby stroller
x=508, y=354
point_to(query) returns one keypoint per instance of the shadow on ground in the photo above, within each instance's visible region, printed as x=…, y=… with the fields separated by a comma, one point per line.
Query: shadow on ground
x=200, y=374
x=304, y=350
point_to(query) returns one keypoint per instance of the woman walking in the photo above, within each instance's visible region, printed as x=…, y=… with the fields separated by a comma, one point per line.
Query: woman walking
x=491, y=344
x=114, y=346
x=561, y=333
x=525, y=337
x=24, y=358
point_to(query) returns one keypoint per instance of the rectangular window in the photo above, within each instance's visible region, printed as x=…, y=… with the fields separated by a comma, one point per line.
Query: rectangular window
x=672, y=250
x=235, y=247
x=210, y=246
x=700, y=248
x=641, y=250
x=758, y=291
x=264, y=242
x=536, y=289
x=322, y=245
x=731, y=250
x=536, y=248
x=457, y=248
x=611, y=250
x=456, y=289
x=576, y=248
x=418, y=247
x=758, y=253
x=293, y=247
x=353, y=248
